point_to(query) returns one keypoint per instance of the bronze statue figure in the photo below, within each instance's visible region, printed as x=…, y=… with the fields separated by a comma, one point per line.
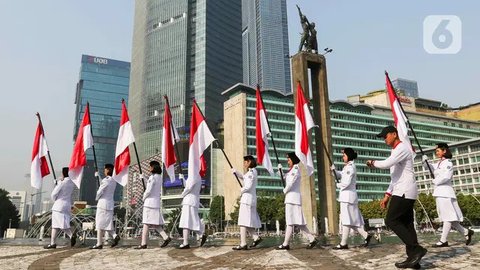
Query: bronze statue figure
x=308, y=41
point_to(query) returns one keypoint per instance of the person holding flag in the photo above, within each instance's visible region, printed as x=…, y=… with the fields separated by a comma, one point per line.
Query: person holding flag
x=62, y=207
x=248, y=218
x=350, y=215
x=105, y=205
x=152, y=211
x=200, y=139
x=293, y=204
x=402, y=191
x=447, y=206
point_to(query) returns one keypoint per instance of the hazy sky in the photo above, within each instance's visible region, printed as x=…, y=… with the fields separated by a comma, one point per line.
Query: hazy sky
x=41, y=43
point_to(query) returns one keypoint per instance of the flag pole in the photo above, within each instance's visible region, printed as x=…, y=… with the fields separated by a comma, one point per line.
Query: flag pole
x=273, y=141
x=93, y=146
x=218, y=144
x=409, y=124
x=48, y=151
x=179, y=164
x=321, y=139
x=138, y=160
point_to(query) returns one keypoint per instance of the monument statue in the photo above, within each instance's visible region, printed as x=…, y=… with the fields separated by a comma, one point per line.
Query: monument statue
x=308, y=40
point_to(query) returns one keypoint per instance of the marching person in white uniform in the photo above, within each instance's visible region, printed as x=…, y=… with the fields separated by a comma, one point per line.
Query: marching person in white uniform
x=248, y=218
x=402, y=194
x=189, y=219
x=105, y=205
x=447, y=206
x=293, y=204
x=152, y=211
x=350, y=215
x=62, y=207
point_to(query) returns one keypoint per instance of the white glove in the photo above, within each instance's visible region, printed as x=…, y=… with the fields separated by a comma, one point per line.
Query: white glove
x=96, y=174
x=279, y=166
x=181, y=177
x=424, y=158
x=233, y=170
x=338, y=185
x=332, y=167
x=141, y=176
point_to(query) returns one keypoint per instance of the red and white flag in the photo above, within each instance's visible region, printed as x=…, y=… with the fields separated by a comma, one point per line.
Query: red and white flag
x=262, y=133
x=200, y=139
x=122, y=152
x=39, y=167
x=168, y=140
x=82, y=143
x=303, y=123
x=399, y=116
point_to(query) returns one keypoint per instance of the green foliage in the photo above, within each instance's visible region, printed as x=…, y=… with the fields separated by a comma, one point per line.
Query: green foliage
x=470, y=208
x=217, y=211
x=428, y=202
x=7, y=211
x=172, y=217
x=236, y=209
x=372, y=209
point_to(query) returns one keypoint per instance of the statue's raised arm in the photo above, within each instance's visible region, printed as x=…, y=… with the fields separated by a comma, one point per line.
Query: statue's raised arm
x=306, y=30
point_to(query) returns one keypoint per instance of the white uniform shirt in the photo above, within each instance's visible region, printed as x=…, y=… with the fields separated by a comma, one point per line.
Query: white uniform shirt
x=400, y=163
x=62, y=195
x=348, y=183
x=249, y=189
x=152, y=194
x=443, y=172
x=191, y=192
x=105, y=193
x=292, y=186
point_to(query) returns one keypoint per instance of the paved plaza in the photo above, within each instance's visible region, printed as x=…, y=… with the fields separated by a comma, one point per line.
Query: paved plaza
x=377, y=256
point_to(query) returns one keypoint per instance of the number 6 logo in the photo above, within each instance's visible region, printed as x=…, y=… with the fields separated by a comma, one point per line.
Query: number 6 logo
x=442, y=34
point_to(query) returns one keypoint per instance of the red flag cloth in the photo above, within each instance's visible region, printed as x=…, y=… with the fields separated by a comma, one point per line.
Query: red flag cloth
x=122, y=152
x=399, y=117
x=200, y=139
x=303, y=123
x=39, y=167
x=82, y=143
x=262, y=132
x=168, y=140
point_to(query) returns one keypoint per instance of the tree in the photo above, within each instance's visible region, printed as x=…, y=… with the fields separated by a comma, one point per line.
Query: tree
x=217, y=212
x=236, y=209
x=470, y=208
x=372, y=209
x=428, y=201
x=8, y=212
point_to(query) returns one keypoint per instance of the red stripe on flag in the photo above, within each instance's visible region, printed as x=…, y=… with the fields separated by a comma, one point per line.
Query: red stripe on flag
x=44, y=167
x=197, y=119
x=392, y=97
x=122, y=160
x=124, y=117
x=78, y=156
x=170, y=158
x=300, y=113
x=258, y=131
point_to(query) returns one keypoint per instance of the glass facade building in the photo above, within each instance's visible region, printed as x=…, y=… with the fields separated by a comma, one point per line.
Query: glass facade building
x=408, y=87
x=352, y=126
x=185, y=49
x=103, y=84
x=265, y=44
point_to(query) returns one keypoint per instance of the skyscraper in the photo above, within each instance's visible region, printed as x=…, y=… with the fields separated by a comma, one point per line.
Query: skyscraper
x=265, y=44
x=184, y=49
x=103, y=83
x=408, y=87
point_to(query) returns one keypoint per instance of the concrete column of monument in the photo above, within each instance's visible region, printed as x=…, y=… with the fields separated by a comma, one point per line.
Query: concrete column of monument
x=301, y=64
